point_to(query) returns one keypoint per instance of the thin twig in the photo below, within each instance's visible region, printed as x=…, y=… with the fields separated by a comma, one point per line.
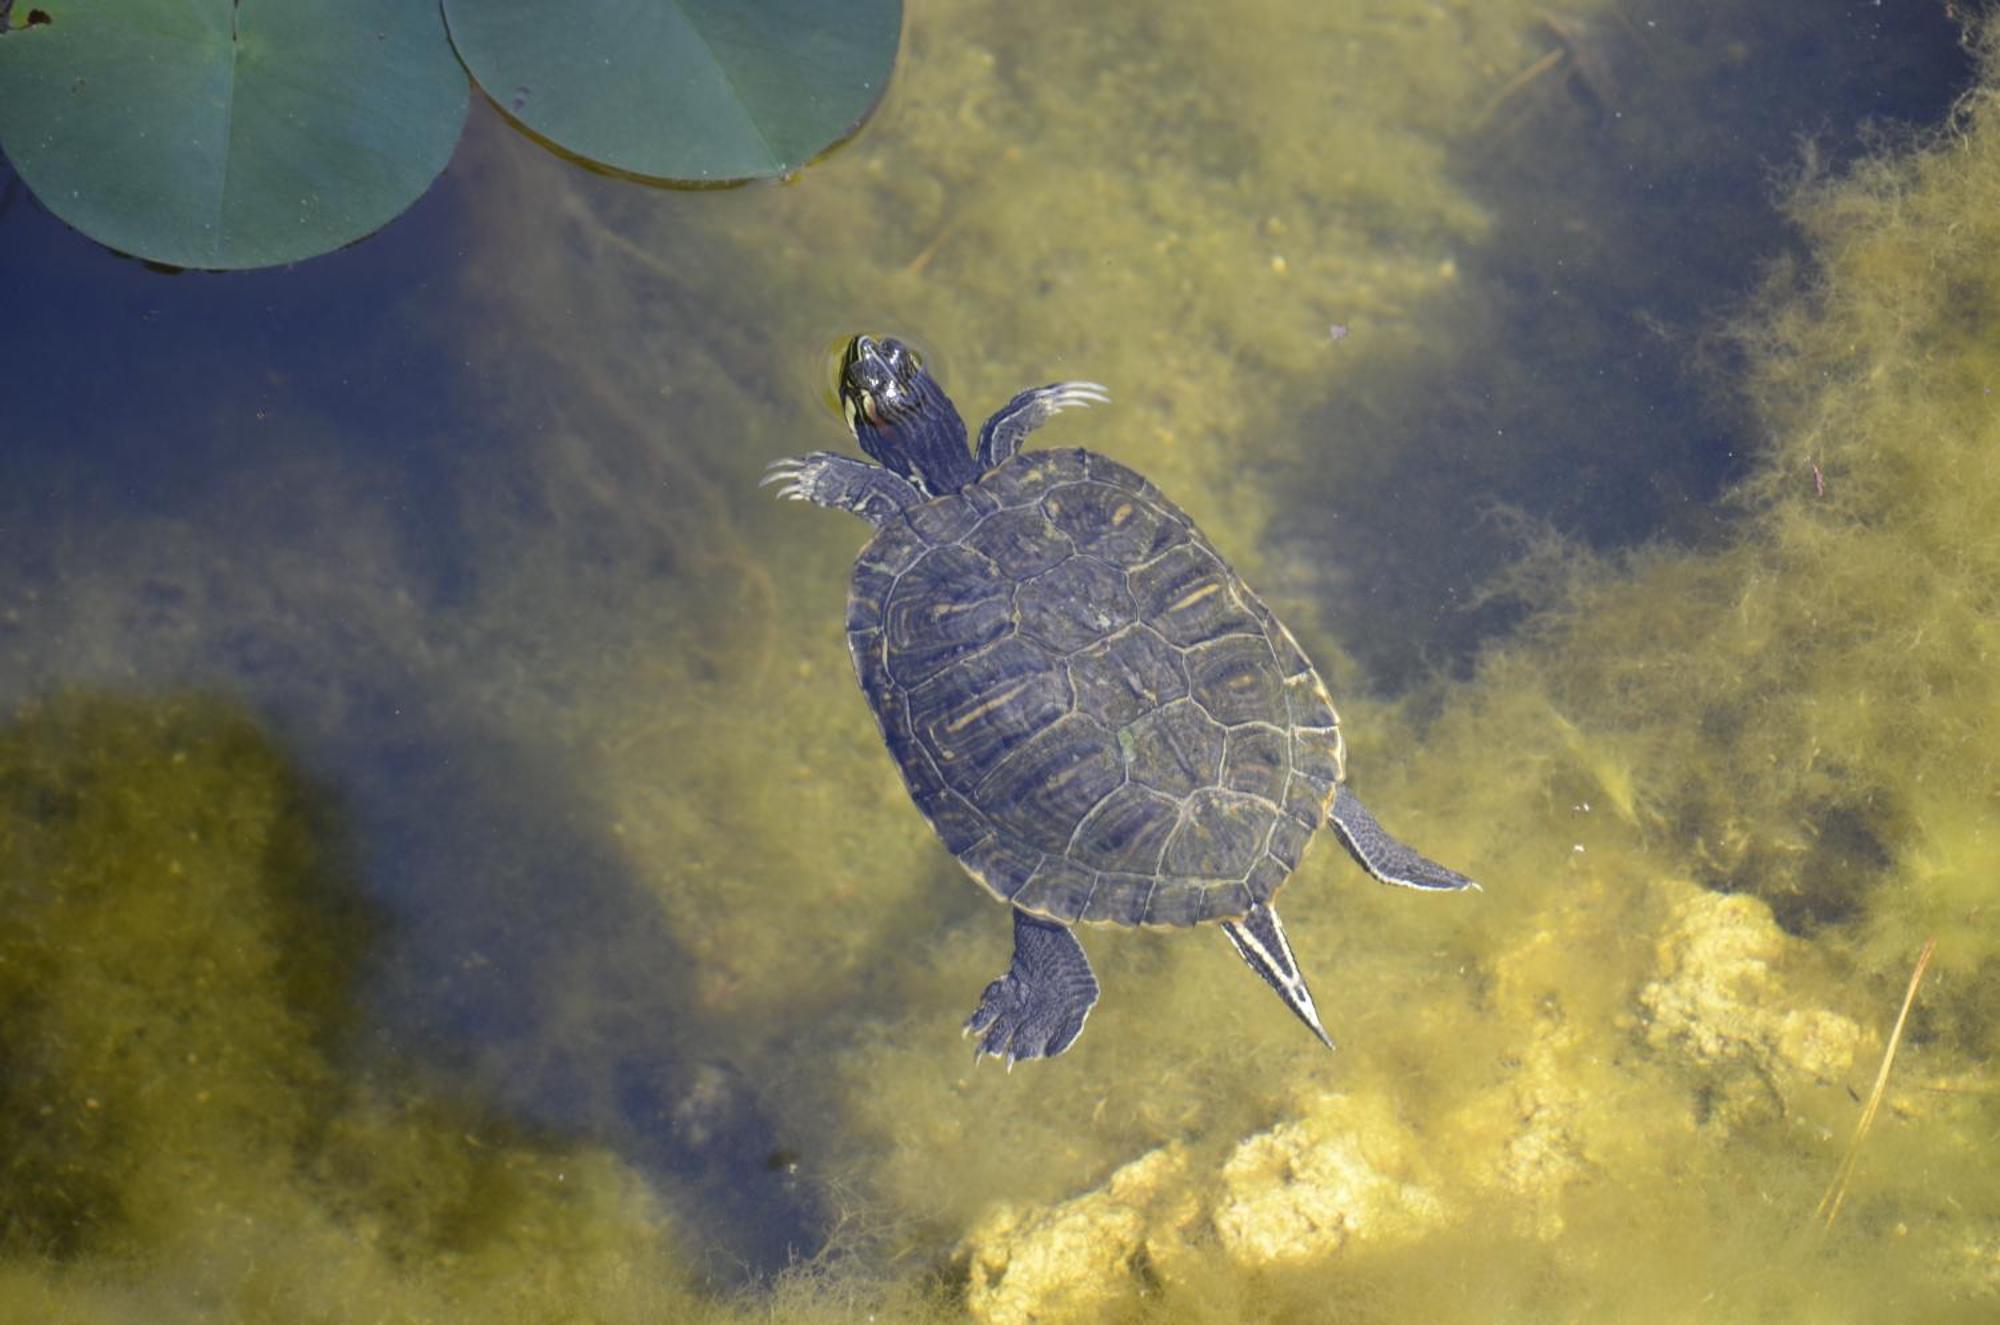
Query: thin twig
x=916, y=265
x=1548, y=61
x=1829, y=1205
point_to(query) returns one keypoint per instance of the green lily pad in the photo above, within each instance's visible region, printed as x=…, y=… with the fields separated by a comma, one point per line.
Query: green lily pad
x=691, y=90
x=208, y=133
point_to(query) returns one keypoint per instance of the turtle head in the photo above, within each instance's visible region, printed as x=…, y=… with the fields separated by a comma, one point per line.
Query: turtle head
x=902, y=417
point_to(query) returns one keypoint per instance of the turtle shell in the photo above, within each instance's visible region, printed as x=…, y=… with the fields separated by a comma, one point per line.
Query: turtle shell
x=1099, y=718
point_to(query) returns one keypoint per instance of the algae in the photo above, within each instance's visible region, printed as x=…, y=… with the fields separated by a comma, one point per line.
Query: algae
x=657, y=922
x=153, y=972
x=185, y=1136
x=1618, y=746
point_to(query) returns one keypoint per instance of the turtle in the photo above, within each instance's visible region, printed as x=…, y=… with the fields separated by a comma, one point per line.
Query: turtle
x=1099, y=718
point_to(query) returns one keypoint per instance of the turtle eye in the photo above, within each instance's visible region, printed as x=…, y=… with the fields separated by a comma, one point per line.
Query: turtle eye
x=903, y=361
x=852, y=374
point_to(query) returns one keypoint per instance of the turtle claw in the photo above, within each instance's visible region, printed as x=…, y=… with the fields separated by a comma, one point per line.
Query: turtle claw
x=795, y=474
x=1077, y=395
x=1003, y=434
x=785, y=472
x=842, y=482
x=1012, y=1027
x=1037, y=1009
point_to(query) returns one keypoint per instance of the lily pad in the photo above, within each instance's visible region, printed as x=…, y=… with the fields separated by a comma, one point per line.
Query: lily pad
x=687, y=90
x=208, y=133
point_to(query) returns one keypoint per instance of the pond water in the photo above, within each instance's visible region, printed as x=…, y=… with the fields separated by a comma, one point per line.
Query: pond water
x=449, y=871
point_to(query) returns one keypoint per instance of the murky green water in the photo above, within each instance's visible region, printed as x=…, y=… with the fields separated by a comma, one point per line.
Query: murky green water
x=450, y=874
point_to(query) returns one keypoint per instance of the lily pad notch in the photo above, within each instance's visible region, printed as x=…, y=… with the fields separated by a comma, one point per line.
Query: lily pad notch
x=218, y=135
x=683, y=91
x=222, y=134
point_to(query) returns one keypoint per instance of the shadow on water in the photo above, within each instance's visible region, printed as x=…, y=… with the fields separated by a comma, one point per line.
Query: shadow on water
x=1566, y=387
x=527, y=963
x=151, y=1017
x=217, y=484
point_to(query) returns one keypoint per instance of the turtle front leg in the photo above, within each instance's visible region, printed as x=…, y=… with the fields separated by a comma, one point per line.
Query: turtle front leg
x=1382, y=855
x=1038, y=1008
x=844, y=483
x=1006, y=430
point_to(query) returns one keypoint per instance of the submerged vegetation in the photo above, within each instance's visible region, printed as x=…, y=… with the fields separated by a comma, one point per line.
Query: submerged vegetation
x=629, y=846
x=178, y=954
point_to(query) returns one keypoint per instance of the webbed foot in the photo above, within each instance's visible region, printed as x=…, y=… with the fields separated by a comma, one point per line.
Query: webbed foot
x=1383, y=856
x=1038, y=1008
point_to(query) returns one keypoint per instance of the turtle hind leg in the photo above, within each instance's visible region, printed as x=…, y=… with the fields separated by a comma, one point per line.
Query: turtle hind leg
x=1260, y=941
x=1038, y=1008
x=1010, y=425
x=1382, y=855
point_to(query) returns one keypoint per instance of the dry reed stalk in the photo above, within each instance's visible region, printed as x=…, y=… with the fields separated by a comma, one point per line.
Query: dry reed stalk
x=1829, y=1204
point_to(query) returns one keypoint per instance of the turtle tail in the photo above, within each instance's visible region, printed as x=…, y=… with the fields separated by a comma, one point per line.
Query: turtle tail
x=1260, y=941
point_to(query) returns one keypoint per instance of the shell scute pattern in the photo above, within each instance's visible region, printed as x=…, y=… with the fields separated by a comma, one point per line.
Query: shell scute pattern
x=1177, y=749
x=1189, y=596
x=1074, y=604
x=867, y=591
x=1054, y=778
x=1118, y=897
x=1316, y=756
x=1022, y=481
x=958, y=824
x=1288, y=841
x=1104, y=469
x=1002, y=867
x=1256, y=761
x=1019, y=539
x=951, y=602
x=1292, y=660
x=947, y=519
x=1235, y=679
x=973, y=717
x=1101, y=720
x=1266, y=876
x=1219, y=836
x=1307, y=705
x=1182, y=904
x=1059, y=887
x=1128, y=675
x=1127, y=832
x=1110, y=523
x=1233, y=899
x=1303, y=802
